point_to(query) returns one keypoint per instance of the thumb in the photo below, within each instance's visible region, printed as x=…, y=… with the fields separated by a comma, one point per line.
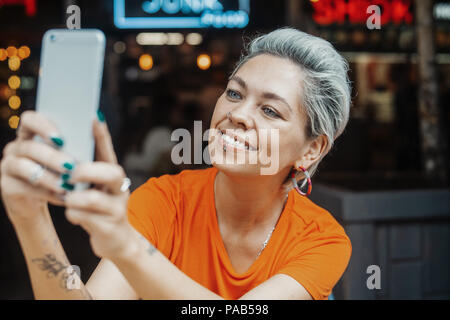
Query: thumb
x=104, y=150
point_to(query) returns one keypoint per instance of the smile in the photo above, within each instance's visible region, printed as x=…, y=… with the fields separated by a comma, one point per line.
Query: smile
x=233, y=142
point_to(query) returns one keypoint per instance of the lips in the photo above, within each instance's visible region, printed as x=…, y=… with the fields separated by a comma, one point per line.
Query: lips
x=236, y=141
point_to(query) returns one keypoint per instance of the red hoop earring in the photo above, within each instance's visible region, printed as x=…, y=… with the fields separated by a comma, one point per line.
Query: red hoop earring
x=306, y=180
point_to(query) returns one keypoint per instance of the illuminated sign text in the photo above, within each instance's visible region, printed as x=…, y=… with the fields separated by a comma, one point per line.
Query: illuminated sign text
x=355, y=11
x=167, y=14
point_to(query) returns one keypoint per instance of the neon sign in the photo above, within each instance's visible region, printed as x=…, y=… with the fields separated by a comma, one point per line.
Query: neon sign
x=354, y=11
x=174, y=14
x=30, y=5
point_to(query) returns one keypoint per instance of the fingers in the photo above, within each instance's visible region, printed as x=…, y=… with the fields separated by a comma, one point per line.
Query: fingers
x=40, y=153
x=32, y=173
x=103, y=143
x=33, y=123
x=97, y=212
x=95, y=201
x=25, y=188
x=85, y=219
x=99, y=173
x=110, y=176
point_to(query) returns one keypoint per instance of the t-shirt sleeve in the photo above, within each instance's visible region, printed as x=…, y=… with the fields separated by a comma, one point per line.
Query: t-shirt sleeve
x=319, y=264
x=152, y=211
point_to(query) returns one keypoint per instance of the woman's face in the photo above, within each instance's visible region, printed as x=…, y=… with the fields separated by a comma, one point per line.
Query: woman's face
x=264, y=100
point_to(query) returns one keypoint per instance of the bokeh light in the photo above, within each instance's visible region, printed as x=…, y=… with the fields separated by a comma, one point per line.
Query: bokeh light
x=14, y=63
x=5, y=91
x=13, y=122
x=14, y=102
x=14, y=82
x=119, y=47
x=204, y=61
x=3, y=54
x=194, y=39
x=27, y=83
x=146, y=62
x=12, y=51
x=175, y=39
x=23, y=52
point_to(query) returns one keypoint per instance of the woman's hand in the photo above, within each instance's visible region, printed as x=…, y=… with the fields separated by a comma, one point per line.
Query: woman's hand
x=31, y=171
x=101, y=211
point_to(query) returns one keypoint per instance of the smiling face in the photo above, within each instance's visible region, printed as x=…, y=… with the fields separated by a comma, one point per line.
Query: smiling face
x=263, y=96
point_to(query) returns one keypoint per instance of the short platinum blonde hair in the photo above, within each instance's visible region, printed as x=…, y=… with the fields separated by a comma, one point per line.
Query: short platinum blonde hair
x=326, y=88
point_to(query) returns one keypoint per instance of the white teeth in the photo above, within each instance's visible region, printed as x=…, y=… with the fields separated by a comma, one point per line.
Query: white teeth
x=233, y=142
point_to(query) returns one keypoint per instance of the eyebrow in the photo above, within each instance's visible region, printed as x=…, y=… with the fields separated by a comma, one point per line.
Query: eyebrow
x=266, y=95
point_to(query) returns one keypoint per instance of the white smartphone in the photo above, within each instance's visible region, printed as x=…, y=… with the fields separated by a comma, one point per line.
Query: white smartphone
x=69, y=86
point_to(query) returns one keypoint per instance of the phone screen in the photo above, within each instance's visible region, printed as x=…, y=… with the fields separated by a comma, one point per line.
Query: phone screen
x=69, y=86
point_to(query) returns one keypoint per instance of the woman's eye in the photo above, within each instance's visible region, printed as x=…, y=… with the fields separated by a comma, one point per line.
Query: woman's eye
x=233, y=94
x=270, y=112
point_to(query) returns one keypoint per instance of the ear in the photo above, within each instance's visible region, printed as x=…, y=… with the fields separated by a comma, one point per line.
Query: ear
x=313, y=152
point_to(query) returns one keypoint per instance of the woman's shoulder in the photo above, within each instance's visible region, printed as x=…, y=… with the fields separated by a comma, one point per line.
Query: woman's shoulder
x=314, y=218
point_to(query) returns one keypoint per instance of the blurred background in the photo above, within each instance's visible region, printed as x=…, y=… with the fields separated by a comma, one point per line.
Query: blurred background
x=387, y=178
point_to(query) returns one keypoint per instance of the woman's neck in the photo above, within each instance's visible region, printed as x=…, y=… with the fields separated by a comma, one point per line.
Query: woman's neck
x=245, y=204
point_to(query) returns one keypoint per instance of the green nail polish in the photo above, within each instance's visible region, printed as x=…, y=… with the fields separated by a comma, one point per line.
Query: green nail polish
x=100, y=116
x=57, y=141
x=67, y=186
x=65, y=176
x=69, y=165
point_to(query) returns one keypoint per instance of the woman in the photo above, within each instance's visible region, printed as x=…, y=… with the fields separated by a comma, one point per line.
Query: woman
x=226, y=232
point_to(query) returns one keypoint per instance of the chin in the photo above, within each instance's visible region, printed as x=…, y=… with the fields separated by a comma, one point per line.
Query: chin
x=238, y=169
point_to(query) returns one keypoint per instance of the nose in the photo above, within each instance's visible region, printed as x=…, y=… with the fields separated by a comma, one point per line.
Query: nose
x=241, y=117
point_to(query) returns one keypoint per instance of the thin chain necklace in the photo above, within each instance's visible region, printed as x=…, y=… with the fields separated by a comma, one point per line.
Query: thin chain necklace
x=271, y=231
x=265, y=242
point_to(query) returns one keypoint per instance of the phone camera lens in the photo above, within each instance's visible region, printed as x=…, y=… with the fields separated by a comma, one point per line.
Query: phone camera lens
x=52, y=38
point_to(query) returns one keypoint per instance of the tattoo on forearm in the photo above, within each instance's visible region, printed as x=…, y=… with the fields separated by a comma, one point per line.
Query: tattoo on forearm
x=149, y=247
x=50, y=264
x=55, y=268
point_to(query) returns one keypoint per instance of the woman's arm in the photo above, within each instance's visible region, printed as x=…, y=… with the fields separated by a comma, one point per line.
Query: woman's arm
x=108, y=283
x=153, y=276
x=47, y=263
x=25, y=201
x=50, y=275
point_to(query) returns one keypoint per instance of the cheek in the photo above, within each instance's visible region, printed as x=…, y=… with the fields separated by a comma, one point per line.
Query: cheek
x=219, y=112
x=292, y=144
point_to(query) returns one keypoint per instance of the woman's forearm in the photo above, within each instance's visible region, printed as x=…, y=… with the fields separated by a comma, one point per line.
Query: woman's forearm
x=49, y=269
x=154, y=277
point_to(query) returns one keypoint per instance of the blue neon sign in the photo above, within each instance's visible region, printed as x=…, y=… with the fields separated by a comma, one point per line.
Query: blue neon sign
x=175, y=14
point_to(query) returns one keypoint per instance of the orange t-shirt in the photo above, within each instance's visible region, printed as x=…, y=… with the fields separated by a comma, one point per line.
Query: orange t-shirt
x=177, y=214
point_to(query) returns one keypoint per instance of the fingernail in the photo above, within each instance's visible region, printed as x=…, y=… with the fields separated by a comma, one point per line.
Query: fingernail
x=69, y=165
x=57, y=140
x=65, y=176
x=67, y=186
x=100, y=116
